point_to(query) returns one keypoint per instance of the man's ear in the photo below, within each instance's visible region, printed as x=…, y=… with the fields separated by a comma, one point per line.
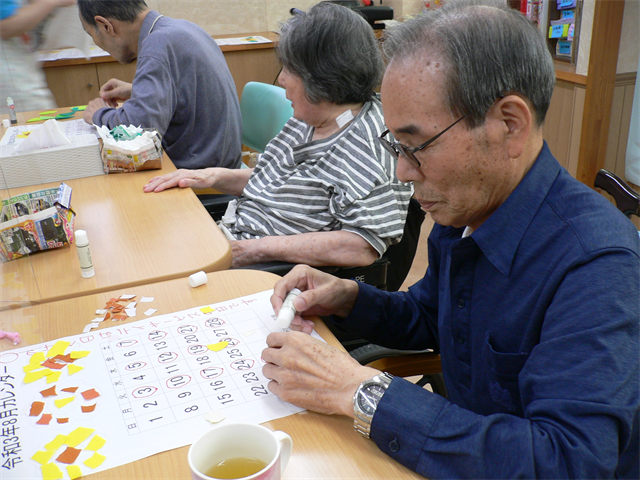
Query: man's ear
x=515, y=122
x=104, y=26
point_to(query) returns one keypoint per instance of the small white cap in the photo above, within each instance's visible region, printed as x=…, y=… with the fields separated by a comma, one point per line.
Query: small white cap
x=285, y=317
x=81, y=237
x=6, y=123
x=197, y=279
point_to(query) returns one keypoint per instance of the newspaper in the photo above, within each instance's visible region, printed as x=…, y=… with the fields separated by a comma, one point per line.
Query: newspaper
x=35, y=221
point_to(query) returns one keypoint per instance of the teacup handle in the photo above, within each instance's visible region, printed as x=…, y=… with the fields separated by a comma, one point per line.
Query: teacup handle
x=286, y=446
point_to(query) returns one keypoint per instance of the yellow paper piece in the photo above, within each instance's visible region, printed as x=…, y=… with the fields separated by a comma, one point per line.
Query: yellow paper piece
x=31, y=367
x=71, y=368
x=61, y=402
x=95, y=460
x=96, y=443
x=207, y=309
x=56, y=443
x=58, y=348
x=31, y=377
x=36, y=358
x=78, y=436
x=43, y=457
x=216, y=347
x=53, y=377
x=51, y=472
x=79, y=354
x=74, y=472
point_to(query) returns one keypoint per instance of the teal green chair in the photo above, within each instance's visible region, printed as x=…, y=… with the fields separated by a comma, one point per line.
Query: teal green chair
x=265, y=109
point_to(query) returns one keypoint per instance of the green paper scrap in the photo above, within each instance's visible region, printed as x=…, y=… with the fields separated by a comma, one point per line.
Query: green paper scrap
x=121, y=133
x=37, y=119
x=46, y=118
x=62, y=116
x=48, y=112
x=79, y=109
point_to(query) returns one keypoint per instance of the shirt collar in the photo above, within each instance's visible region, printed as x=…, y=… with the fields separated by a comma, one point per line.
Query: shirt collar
x=500, y=235
x=146, y=26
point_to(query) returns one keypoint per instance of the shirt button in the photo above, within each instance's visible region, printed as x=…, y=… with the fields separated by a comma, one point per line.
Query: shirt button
x=394, y=446
x=461, y=303
x=461, y=339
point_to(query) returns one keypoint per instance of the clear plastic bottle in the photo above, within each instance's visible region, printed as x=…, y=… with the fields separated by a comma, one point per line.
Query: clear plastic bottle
x=84, y=254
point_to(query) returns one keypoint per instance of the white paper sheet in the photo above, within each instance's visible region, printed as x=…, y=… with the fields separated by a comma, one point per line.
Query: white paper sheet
x=157, y=380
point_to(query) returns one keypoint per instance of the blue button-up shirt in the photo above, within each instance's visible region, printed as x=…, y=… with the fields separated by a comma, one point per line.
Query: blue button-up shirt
x=536, y=317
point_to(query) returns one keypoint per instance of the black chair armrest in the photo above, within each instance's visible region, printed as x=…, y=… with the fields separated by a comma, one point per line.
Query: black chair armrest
x=627, y=200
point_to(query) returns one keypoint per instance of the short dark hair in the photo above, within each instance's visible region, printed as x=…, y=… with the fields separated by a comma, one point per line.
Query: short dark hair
x=334, y=51
x=123, y=10
x=489, y=51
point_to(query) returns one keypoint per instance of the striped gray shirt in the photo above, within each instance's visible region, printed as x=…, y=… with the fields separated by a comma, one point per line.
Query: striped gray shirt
x=344, y=182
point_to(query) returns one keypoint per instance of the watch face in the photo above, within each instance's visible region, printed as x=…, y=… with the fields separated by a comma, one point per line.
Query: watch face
x=369, y=397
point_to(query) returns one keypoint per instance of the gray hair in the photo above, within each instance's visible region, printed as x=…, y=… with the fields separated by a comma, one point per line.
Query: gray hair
x=334, y=51
x=123, y=10
x=489, y=51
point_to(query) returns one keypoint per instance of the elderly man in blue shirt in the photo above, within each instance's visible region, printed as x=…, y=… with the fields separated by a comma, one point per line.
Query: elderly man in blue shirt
x=532, y=295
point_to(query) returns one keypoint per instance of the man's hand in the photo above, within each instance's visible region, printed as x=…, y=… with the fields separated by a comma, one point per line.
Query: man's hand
x=92, y=107
x=322, y=294
x=311, y=374
x=181, y=178
x=115, y=91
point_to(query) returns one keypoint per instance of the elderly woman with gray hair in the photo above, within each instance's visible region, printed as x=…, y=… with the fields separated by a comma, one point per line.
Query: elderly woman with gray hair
x=325, y=191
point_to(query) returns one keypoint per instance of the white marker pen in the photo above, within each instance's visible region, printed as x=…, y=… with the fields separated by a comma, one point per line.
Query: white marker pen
x=287, y=311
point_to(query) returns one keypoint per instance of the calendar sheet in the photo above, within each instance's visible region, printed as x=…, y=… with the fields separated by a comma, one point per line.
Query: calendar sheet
x=94, y=401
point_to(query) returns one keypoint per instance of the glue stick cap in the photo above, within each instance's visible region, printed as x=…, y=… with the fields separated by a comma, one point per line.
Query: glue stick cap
x=81, y=237
x=197, y=279
x=6, y=123
x=285, y=317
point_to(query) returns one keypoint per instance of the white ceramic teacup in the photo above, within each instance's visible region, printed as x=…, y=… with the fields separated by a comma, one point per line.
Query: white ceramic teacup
x=241, y=440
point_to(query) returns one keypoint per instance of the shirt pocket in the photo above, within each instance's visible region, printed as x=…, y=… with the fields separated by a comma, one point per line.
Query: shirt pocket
x=501, y=378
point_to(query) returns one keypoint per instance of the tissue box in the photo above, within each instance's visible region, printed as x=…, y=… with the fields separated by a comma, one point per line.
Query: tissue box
x=81, y=158
x=118, y=159
x=36, y=221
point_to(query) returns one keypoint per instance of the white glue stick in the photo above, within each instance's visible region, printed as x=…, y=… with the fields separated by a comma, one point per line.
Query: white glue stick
x=84, y=254
x=287, y=311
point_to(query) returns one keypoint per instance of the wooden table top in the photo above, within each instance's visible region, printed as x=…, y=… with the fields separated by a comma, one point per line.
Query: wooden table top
x=135, y=238
x=324, y=447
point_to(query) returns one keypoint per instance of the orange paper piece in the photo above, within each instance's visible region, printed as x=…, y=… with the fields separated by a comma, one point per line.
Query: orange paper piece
x=62, y=420
x=69, y=455
x=36, y=409
x=88, y=408
x=45, y=419
x=50, y=363
x=119, y=317
x=90, y=394
x=65, y=358
x=49, y=392
x=70, y=389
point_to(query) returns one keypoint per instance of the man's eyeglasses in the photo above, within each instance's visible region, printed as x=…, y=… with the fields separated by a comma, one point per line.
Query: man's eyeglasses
x=396, y=148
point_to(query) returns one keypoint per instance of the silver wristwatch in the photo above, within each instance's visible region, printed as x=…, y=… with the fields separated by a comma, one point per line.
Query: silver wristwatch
x=366, y=399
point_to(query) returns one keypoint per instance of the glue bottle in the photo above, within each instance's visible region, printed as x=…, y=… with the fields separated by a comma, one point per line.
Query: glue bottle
x=12, y=111
x=287, y=311
x=84, y=254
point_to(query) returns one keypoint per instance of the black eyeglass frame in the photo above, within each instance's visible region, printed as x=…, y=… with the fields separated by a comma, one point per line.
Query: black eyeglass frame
x=396, y=148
